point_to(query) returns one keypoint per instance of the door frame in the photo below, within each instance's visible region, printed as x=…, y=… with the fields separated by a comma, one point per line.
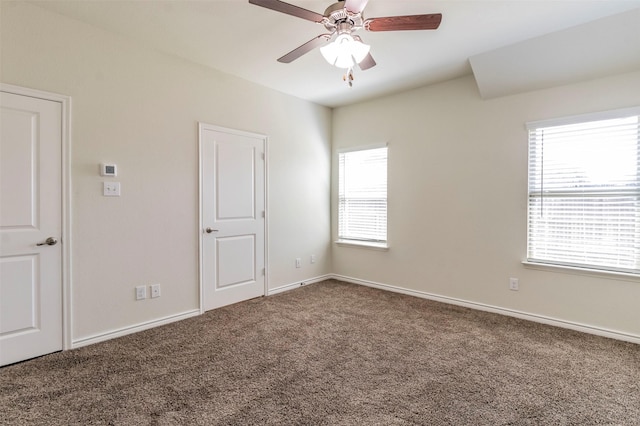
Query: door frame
x=65, y=101
x=265, y=142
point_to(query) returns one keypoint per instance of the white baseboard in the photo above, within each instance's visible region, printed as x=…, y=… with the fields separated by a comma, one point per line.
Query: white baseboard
x=132, y=329
x=598, y=331
x=101, y=337
x=298, y=284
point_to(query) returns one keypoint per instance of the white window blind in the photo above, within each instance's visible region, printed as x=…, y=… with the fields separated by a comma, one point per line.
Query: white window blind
x=584, y=193
x=362, y=195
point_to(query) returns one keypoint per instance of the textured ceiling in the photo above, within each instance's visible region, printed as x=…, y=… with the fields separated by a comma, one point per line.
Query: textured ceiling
x=245, y=40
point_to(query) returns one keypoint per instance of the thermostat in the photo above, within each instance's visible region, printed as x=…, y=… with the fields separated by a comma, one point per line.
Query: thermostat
x=108, y=169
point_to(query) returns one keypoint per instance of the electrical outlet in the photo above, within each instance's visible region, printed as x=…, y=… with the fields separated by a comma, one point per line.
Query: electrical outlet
x=313, y=258
x=155, y=290
x=514, y=284
x=141, y=292
x=298, y=262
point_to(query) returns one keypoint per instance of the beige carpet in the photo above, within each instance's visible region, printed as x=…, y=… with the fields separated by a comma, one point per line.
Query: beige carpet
x=333, y=354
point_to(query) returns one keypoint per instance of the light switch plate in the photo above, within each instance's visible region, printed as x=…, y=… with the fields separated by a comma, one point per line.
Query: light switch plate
x=111, y=189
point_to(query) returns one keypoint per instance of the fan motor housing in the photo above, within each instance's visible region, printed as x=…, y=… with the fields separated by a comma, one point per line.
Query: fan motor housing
x=337, y=14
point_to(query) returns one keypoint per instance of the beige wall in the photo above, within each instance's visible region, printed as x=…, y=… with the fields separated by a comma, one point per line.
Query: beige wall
x=457, y=179
x=458, y=198
x=140, y=109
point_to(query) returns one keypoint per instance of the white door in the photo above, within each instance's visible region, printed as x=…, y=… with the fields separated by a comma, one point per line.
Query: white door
x=233, y=215
x=30, y=215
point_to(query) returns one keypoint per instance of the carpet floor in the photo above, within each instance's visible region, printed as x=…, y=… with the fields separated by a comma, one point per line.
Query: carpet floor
x=333, y=353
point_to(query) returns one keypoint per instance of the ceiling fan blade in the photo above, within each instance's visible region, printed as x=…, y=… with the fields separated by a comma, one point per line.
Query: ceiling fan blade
x=355, y=6
x=367, y=62
x=289, y=9
x=305, y=48
x=404, y=23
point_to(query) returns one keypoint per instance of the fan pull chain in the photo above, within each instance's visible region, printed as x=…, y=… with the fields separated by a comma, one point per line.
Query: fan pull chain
x=348, y=77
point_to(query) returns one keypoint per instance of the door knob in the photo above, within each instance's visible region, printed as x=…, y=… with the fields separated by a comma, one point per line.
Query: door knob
x=48, y=242
x=210, y=230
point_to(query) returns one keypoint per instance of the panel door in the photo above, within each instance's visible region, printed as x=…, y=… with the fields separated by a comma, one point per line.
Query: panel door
x=233, y=203
x=30, y=213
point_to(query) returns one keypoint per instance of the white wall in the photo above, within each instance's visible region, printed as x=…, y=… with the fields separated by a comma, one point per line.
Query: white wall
x=139, y=109
x=458, y=196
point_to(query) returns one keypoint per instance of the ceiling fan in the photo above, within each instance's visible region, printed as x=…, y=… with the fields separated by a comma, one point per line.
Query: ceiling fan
x=342, y=19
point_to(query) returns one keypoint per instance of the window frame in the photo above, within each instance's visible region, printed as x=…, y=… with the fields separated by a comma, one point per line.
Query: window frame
x=538, y=263
x=361, y=243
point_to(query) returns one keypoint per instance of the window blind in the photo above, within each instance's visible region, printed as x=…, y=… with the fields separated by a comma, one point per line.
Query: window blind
x=584, y=194
x=362, y=195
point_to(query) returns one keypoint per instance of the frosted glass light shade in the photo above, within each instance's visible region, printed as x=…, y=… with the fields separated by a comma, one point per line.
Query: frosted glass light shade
x=345, y=52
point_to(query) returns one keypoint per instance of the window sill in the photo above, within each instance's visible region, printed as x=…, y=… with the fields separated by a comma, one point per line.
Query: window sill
x=363, y=244
x=614, y=275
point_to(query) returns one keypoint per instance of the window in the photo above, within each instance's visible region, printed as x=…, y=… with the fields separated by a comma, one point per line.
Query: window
x=584, y=192
x=362, y=196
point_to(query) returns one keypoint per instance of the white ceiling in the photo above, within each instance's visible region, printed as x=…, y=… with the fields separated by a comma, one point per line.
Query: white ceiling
x=596, y=49
x=245, y=40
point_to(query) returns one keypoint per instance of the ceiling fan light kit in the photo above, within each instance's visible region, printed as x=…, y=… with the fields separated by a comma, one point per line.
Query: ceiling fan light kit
x=345, y=51
x=342, y=19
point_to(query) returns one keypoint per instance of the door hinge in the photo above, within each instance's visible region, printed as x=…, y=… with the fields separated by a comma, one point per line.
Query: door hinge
x=262, y=155
x=263, y=214
x=263, y=271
